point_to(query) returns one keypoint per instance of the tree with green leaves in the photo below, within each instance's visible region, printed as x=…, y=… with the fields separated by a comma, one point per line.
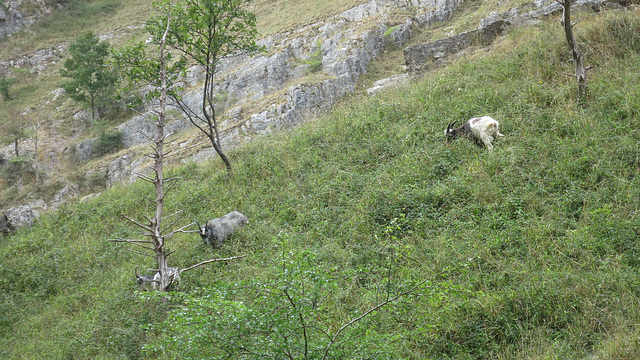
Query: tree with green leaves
x=14, y=131
x=159, y=72
x=204, y=31
x=5, y=84
x=93, y=81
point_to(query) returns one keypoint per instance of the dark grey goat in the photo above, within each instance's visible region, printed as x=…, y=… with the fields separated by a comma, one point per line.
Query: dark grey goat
x=215, y=231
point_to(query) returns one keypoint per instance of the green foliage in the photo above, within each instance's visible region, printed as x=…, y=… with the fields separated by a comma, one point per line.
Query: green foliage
x=529, y=251
x=141, y=67
x=286, y=315
x=92, y=80
x=5, y=84
x=108, y=143
x=204, y=31
x=315, y=59
x=18, y=168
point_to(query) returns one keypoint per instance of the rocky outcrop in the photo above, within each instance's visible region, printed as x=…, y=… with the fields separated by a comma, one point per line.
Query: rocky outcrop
x=13, y=17
x=393, y=81
x=420, y=57
x=343, y=47
x=17, y=217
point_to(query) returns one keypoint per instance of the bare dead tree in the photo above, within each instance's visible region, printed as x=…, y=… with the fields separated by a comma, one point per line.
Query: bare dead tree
x=578, y=61
x=158, y=235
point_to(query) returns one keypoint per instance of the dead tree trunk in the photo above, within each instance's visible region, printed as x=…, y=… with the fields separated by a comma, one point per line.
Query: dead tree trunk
x=578, y=63
x=165, y=275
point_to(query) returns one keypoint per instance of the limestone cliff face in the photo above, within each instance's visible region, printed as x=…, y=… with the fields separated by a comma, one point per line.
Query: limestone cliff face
x=282, y=87
x=303, y=73
x=14, y=17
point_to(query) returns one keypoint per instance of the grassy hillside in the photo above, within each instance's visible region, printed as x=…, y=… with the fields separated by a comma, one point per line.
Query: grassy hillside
x=32, y=98
x=530, y=251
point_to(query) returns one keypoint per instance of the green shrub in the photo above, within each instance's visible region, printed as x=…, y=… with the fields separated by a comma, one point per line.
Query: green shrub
x=18, y=168
x=315, y=59
x=108, y=143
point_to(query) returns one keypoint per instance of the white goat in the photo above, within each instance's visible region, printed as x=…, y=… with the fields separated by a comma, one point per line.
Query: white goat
x=482, y=130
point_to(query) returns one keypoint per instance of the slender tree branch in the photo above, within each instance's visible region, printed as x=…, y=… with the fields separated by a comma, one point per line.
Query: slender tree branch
x=210, y=261
x=144, y=227
x=130, y=241
x=373, y=309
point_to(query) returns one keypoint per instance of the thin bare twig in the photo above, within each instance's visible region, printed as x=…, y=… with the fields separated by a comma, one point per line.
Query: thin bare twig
x=210, y=261
x=144, y=227
x=373, y=309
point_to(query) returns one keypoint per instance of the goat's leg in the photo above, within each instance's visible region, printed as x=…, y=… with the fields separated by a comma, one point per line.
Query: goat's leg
x=486, y=140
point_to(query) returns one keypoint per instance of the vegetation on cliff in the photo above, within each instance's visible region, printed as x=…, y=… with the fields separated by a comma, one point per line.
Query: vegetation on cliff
x=528, y=251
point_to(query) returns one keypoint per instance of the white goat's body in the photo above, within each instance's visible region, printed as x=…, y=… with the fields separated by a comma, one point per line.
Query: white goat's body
x=483, y=130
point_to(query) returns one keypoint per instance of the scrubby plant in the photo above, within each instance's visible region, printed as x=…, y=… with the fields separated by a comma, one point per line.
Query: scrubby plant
x=18, y=168
x=314, y=62
x=108, y=142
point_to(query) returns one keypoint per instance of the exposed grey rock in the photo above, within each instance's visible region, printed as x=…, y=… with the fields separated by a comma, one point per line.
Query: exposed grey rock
x=17, y=217
x=137, y=131
x=119, y=170
x=84, y=149
x=430, y=11
x=393, y=81
x=401, y=33
x=65, y=194
x=38, y=204
x=83, y=116
x=421, y=57
x=126, y=169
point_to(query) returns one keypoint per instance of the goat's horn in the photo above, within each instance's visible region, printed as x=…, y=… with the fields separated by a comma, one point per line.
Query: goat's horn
x=451, y=125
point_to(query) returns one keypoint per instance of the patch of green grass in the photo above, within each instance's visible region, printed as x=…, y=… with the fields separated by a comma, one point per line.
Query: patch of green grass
x=532, y=245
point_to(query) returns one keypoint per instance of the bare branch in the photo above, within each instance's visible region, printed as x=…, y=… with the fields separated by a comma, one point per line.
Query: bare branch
x=173, y=179
x=210, y=261
x=143, y=177
x=131, y=241
x=135, y=242
x=373, y=309
x=144, y=227
x=181, y=230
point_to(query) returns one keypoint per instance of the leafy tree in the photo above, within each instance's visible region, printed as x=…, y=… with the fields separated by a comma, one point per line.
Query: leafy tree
x=14, y=132
x=157, y=71
x=284, y=316
x=5, y=84
x=204, y=31
x=92, y=80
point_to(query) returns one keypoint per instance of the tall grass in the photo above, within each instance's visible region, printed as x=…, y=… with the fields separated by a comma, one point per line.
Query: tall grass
x=533, y=245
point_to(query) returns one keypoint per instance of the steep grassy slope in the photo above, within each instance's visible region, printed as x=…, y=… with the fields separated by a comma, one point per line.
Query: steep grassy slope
x=531, y=250
x=36, y=78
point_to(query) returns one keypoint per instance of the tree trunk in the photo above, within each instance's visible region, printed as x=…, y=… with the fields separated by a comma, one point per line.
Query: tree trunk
x=578, y=63
x=157, y=237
